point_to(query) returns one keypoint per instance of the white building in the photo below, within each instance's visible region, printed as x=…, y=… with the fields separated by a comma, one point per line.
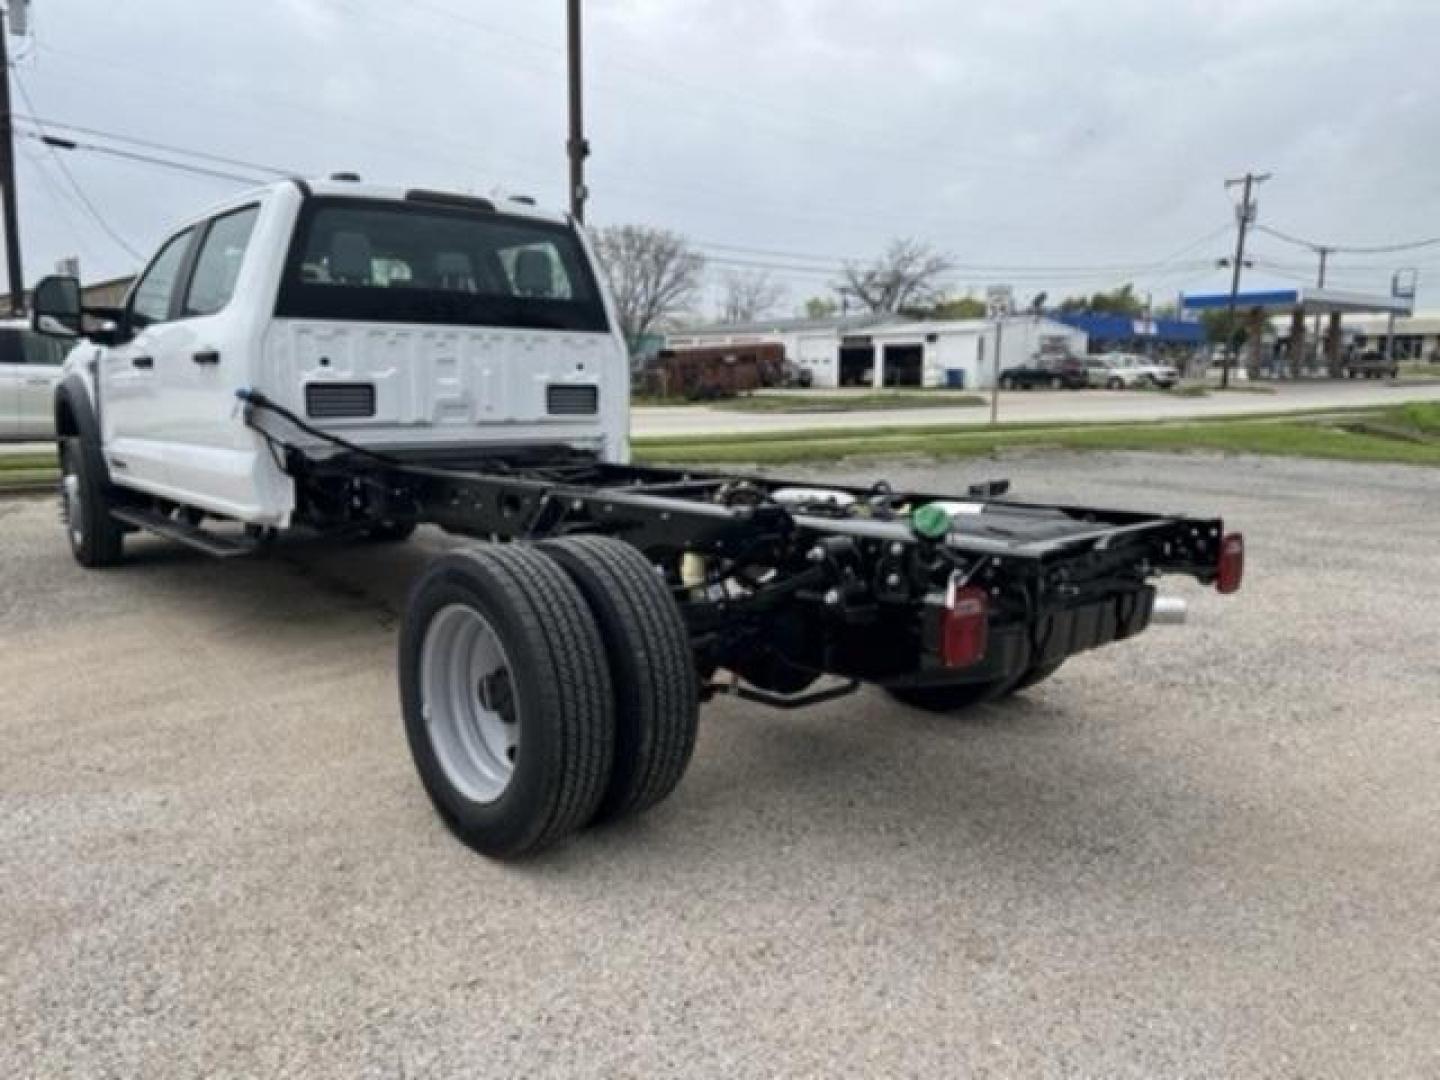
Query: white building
x=1417, y=337
x=878, y=352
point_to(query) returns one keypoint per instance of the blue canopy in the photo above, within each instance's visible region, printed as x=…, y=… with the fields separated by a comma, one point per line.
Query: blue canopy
x=1124, y=328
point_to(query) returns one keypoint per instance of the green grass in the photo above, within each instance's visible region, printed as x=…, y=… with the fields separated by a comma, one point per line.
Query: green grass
x=1406, y=434
x=856, y=402
x=654, y=401
x=27, y=462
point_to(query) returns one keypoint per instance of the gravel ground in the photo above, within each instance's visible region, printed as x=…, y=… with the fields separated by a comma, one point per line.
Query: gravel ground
x=1214, y=851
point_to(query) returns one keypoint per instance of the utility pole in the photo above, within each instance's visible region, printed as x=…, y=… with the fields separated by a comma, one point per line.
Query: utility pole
x=1245, y=215
x=577, y=148
x=1324, y=253
x=7, y=180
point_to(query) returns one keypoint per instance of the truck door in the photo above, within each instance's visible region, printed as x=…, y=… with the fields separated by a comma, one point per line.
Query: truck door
x=35, y=394
x=209, y=454
x=12, y=370
x=129, y=391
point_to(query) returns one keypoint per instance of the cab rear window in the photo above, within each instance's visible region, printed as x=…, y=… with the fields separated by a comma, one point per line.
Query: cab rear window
x=373, y=261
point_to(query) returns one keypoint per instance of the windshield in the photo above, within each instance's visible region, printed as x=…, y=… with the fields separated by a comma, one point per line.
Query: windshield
x=377, y=261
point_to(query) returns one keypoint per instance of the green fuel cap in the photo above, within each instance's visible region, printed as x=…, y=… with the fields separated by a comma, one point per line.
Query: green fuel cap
x=931, y=521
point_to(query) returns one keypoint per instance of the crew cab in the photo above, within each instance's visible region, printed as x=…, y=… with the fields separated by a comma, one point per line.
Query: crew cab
x=358, y=360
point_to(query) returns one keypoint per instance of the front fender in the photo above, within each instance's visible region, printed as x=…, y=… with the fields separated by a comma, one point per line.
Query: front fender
x=75, y=417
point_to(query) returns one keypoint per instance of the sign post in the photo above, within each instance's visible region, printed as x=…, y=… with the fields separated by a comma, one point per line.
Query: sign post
x=999, y=299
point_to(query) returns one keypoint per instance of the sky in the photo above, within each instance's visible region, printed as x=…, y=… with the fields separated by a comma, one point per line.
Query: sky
x=1052, y=145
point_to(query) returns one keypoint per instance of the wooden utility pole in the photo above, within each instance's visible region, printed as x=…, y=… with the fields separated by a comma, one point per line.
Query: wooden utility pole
x=576, y=146
x=1244, y=214
x=11, y=208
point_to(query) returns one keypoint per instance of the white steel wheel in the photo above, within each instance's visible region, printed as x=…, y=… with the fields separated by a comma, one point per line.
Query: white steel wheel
x=468, y=701
x=507, y=698
x=72, y=506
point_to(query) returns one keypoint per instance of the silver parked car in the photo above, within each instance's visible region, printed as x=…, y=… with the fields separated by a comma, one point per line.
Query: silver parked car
x=29, y=370
x=1146, y=372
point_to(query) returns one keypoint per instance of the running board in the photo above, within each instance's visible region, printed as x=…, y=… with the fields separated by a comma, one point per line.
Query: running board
x=191, y=536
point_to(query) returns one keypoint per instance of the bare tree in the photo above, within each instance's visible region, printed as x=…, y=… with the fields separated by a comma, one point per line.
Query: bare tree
x=745, y=297
x=654, y=275
x=907, y=275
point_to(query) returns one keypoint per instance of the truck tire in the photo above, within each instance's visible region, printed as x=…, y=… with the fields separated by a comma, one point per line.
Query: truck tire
x=949, y=697
x=96, y=539
x=507, y=699
x=652, y=669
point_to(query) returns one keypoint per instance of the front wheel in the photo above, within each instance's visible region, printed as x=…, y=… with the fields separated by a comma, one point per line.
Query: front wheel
x=1057, y=383
x=1115, y=384
x=96, y=539
x=508, y=703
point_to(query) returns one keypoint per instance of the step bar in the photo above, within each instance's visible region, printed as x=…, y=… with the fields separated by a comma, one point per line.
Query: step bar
x=192, y=536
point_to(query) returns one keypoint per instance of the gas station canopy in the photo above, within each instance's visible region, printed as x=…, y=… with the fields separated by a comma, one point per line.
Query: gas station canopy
x=1308, y=301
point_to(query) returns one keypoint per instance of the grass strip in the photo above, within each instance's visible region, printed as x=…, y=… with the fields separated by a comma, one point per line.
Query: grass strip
x=1343, y=439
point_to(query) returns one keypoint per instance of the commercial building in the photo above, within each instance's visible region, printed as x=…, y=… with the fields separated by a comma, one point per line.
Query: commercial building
x=1417, y=337
x=884, y=351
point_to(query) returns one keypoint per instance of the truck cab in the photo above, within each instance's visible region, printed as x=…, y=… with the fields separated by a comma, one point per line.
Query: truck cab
x=406, y=321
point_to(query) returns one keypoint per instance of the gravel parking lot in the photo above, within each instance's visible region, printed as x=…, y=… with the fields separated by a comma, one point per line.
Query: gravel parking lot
x=1214, y=851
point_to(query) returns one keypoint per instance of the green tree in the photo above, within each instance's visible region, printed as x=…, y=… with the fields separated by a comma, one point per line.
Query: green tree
x=1121, y=301
x=958, y=307
x=821, y=307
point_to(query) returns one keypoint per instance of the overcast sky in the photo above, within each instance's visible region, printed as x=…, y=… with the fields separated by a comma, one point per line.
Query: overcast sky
x=1062, y=145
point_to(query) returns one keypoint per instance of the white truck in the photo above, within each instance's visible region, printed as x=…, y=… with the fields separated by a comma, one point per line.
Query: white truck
x=360, y=360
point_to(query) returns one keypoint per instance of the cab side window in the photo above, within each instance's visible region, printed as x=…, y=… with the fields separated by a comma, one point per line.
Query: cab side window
x=38, y=349
x=150, y=302
x=217, y=267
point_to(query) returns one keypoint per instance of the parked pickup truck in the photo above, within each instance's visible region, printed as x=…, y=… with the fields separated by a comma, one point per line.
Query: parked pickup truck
x=359, y=360
x=1369, y=364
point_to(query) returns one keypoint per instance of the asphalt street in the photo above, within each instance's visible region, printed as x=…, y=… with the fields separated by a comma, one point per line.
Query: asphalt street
x=1213, y=851
x=1048, y=406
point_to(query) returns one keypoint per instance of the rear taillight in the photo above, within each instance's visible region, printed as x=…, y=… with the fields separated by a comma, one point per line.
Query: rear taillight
x=964, y=626
x=1230, y=568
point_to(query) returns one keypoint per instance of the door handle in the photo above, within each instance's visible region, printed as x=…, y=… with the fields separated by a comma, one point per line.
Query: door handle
x=206, y=356
x=142, y=361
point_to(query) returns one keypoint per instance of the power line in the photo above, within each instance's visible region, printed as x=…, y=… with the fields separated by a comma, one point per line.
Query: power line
x=1373, y=249
x=168, y=148
x=56, y=142
x=81, y=197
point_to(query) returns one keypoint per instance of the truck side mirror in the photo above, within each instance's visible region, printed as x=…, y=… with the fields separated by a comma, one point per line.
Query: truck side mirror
x=55, y=309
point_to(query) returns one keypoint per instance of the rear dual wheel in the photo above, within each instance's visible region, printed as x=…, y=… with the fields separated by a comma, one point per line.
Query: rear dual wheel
x=544, y=688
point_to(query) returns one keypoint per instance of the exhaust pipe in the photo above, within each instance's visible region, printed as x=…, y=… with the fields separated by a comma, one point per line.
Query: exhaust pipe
x=1169, y=609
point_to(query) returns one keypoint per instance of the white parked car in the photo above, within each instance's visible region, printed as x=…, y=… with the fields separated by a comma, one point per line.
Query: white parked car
x=1105, y=373
x=29, y=372
x=1161, y=375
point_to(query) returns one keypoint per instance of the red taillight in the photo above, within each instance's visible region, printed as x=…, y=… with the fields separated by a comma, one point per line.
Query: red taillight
x=964, y=627
x=1230, y=567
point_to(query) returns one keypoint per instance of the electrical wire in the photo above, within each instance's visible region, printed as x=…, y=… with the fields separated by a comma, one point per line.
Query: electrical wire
x=1361, y=249
x=84, y=200
x=46, y=122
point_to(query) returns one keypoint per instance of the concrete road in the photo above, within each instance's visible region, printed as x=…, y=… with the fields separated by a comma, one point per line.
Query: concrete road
x=1208, y=852
x=1046, y=405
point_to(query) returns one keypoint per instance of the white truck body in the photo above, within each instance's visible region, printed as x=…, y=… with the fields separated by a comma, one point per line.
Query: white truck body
x=171, y=424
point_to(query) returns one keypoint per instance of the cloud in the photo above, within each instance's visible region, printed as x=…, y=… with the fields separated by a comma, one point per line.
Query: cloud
x=1043, y=133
